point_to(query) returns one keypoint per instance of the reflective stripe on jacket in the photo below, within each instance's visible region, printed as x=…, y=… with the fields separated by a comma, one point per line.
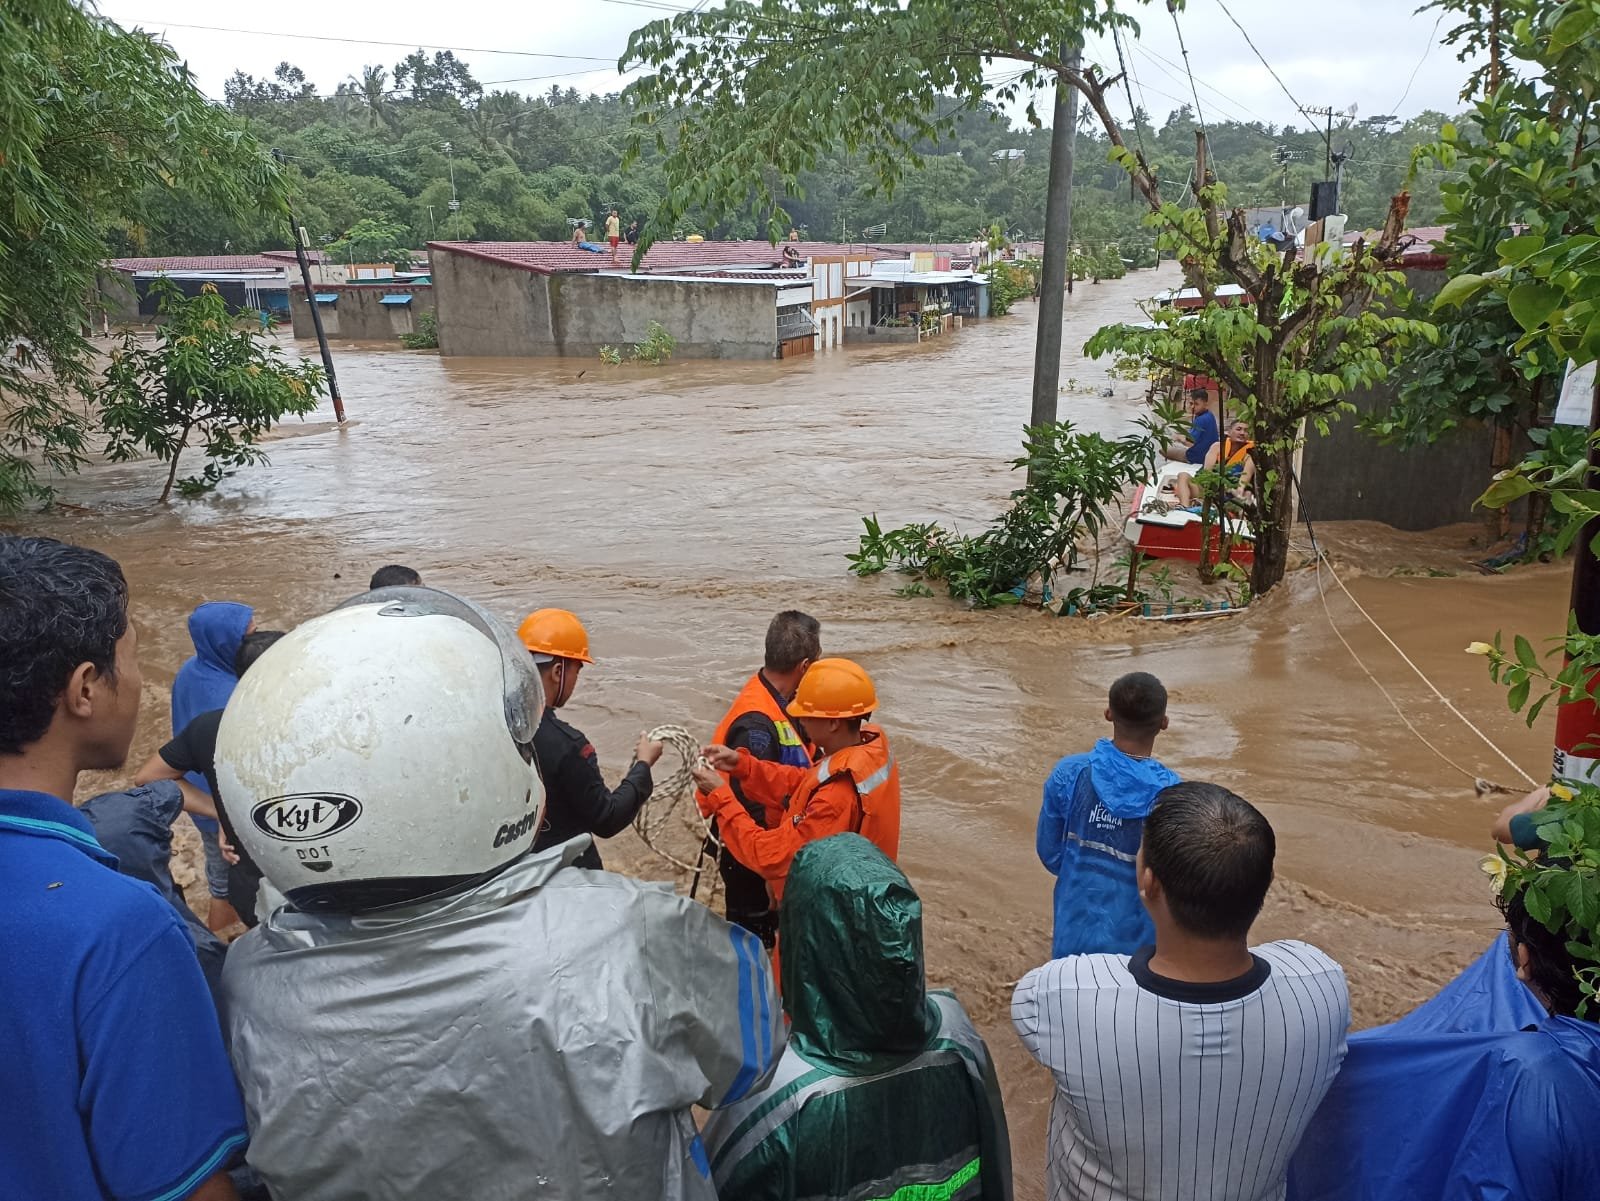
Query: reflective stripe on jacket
x=757, y=697
x=876, y=776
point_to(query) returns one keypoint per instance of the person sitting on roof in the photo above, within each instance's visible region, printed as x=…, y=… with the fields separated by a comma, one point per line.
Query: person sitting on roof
x=580, y=233
x=791, y=257
x=1232, y=458
x=885, y=1088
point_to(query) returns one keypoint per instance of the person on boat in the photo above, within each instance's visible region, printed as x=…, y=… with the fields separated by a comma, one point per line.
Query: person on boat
x=1202, y=431
x=1231, y=456
x=885, y=1087
x=578, y=800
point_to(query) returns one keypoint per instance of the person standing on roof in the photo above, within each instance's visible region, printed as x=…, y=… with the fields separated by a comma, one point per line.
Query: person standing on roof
x=854, y=786
x=579, y=802
x=441, y=1012
x=885, y=1089
x=1092, y=820
x=613, y=233
x=202, y=684
x=756, y=722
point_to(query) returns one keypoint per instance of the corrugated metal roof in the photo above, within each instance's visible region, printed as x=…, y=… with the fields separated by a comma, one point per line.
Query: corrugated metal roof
x=559, y=257
x=203, y=262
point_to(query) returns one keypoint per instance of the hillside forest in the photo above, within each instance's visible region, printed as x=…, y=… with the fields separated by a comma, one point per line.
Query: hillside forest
x=397, y=145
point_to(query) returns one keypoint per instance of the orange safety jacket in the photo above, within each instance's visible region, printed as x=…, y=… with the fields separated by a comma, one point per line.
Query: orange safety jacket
x=757, y=697
x=856, y=789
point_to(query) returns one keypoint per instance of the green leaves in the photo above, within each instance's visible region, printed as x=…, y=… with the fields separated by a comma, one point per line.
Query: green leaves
x=1533, y=304
x=1459, y=290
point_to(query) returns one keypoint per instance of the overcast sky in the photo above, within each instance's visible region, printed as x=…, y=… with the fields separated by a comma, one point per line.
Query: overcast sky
x=1365, y=52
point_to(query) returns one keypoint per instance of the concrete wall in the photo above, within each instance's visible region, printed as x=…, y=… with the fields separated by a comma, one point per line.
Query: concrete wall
x=116, y=298
x=1349, y=475
x=359, y=314
x=490, y=308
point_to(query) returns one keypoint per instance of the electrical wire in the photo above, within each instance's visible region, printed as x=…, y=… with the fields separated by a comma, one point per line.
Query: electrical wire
x=1222, y=4
x=1433, y=40
x=321, y=37
x=1199, y=113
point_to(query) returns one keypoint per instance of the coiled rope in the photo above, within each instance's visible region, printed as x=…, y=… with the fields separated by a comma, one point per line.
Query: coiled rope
x=665, y=812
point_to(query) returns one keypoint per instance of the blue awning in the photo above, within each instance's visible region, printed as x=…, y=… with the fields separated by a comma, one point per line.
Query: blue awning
x=327, y=297
x=406, y=299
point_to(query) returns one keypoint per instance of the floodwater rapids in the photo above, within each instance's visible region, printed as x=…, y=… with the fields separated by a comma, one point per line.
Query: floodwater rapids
x=676, y=509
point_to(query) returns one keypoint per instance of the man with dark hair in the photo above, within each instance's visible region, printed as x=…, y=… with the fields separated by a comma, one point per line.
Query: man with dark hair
x=395, y=575
x=1193, y=1068
x=1202, y=431
x=113, y=1082
x=757, y=722
x=194, y=749
x=1090, y=823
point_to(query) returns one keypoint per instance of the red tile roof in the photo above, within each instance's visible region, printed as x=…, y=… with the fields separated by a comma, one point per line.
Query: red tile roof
x=549, y=258
x=211, y=262
x=288, y=256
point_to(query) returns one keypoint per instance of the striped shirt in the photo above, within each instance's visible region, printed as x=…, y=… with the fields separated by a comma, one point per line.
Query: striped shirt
x=1168, y=1091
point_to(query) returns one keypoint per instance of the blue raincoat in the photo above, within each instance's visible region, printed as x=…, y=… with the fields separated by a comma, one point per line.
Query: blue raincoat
x=1089, y=831
x=206, y=681
x=1477, y=1093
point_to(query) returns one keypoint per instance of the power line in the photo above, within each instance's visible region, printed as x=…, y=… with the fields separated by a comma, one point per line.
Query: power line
x=1149, y=53
x=1156, y=61
x=319, y=37
x=1224, y=7
x=1426, y=50
x=1198, y=111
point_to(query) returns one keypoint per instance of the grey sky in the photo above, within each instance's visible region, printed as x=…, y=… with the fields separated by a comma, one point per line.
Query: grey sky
x=1360, y=52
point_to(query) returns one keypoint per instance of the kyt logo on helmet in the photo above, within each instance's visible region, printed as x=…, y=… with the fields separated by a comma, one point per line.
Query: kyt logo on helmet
x=302, y=816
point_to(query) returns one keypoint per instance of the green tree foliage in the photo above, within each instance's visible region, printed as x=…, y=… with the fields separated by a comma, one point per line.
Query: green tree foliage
x=1524, y=157
x=95, y=122
x=208, y=379
x=371, y=240
x=1076, y=481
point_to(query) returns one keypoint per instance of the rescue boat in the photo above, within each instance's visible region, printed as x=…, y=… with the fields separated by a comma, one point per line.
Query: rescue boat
x=1160, y=527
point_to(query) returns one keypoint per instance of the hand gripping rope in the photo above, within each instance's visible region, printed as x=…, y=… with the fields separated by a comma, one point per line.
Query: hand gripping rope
x=665, y=812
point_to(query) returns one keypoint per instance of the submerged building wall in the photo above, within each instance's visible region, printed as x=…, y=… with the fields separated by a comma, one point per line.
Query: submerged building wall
x=493, y=308
x=359, y=314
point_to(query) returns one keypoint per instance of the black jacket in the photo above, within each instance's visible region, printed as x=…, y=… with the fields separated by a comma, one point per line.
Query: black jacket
x=577, y=800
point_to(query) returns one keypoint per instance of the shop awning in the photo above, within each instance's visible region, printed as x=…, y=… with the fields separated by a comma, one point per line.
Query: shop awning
x=406, y=299
x=327, y=298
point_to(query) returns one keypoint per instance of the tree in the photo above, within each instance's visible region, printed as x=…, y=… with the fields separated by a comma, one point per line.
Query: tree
x=373, y=241
x=208, y=377
x=91, y=117
x=742, y=96
x=1525, y=159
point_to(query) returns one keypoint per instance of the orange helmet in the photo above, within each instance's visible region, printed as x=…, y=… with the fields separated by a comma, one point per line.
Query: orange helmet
x=834, y=688
x=555, y=632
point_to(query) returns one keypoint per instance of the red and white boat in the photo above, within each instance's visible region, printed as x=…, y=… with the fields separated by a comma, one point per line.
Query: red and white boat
x=1163, y=529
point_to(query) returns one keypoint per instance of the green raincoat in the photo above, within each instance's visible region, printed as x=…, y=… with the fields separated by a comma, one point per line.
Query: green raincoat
x=886, y=1092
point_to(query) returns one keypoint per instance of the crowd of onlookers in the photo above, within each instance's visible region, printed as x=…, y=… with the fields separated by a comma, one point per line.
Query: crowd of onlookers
x=443, y=994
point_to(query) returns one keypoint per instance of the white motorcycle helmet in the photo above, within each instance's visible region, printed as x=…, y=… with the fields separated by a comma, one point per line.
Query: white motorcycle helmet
x=383, y=752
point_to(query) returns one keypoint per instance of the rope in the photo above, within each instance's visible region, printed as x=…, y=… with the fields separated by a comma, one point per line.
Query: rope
x=666, y=811
x=1478, y=782
x=1407, y=660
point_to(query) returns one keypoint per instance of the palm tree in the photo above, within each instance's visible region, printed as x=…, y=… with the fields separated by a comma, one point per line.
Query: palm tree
x=373, y=88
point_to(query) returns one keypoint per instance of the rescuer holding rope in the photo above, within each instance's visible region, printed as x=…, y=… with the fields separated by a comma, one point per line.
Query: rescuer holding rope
x=756, y=722
x=577, y=799
x=853, y=786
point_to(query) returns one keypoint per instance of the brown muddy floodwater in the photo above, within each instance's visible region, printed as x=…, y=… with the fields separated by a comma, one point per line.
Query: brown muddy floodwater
x=676, y=509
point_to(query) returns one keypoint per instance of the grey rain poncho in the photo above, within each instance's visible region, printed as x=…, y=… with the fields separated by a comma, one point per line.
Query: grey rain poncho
x=542, y=1034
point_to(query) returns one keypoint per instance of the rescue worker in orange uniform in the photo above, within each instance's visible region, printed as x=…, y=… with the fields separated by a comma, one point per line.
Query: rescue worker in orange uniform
x=853, y=786
x=756, y=722
x=577, y=800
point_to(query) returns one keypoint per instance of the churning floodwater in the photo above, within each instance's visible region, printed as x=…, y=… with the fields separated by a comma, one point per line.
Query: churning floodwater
x=676, y=509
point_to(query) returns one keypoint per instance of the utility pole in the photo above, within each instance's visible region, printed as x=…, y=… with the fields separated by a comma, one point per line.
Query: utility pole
x=1057, y=244
x=1327, y=139
x=316, y=310
x=1578, y=724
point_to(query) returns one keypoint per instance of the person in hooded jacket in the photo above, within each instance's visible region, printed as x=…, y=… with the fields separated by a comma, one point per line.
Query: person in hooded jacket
x=1091, y=822
x=205, y=682
x=885, y=1089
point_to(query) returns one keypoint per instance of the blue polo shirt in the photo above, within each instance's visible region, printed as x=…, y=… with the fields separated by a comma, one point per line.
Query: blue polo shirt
x=1202, y=437
x=113, y=1080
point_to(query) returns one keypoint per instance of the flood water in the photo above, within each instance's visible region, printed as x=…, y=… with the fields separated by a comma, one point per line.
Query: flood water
x=676, y=509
